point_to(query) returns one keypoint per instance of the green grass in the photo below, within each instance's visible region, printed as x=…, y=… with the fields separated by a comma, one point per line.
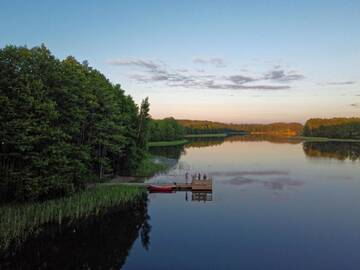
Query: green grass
x=322, y=139
x=17, y=222
x=149, y=166
x=167, y=143
x=215, y=135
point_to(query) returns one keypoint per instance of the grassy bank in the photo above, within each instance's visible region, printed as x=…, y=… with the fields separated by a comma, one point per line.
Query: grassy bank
x=167, y=143
x=17, y=222
x=321, y=139
x=215, y=135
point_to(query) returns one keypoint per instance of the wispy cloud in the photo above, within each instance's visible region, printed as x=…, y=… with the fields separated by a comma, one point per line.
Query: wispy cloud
x=283, y=76
x=240, y=79
x=355, y=105
x=217, y=62
x=341, y=83
x=155, y=71
x=143, y=63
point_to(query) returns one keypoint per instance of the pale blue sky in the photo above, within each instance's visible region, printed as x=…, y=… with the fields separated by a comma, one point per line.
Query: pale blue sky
x=233, y=61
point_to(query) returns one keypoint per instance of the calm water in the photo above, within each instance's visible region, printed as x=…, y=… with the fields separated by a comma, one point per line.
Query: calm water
x=276, y=204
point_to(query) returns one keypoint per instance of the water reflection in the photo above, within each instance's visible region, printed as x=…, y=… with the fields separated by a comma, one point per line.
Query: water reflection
x=202, y=196
x=262, y=138
x=271, y=179
x=173, y=152
x=97, y=243
x=254, y=172
x=273, y=183
x=204, y=142
x=332, y=150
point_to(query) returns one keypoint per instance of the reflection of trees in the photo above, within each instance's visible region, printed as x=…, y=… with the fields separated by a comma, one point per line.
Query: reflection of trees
x=335, y=150
x=261, y=138
x=97, y=243
x=204, y=142
x=173, y=152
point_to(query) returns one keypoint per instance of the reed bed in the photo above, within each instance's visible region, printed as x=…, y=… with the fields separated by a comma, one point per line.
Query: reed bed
x=17, y=222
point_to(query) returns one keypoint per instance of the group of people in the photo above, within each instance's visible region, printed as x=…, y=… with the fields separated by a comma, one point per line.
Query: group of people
x=196, y=176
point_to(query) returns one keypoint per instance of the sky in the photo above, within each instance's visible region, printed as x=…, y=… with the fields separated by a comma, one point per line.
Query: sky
x=232, y=61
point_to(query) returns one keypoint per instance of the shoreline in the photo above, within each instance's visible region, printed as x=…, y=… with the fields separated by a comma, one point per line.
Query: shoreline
x=207, y=135
x=167, y=143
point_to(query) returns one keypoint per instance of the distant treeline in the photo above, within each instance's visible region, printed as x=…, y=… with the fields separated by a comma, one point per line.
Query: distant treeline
x=341, y=128
x=167, y=129
x=63, y=123
x=203, y=127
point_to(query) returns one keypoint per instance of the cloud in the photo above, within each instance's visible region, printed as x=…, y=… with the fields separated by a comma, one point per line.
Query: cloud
x=150, y=71
x=217, y=62
x=213, y=85
x=355, y=105
x=135, y=62
x=282, y=76
x=341, y=83
x=240, y=79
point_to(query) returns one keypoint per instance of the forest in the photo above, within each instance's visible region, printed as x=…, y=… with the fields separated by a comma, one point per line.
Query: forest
x=339, y=128
x=62, y=124
x=167, y=129
x=203, y=127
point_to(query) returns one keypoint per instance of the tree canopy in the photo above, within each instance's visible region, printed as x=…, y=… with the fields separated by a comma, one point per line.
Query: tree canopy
x=341, y=128
x=63, y=123
x=202, y=127
x=167, y=129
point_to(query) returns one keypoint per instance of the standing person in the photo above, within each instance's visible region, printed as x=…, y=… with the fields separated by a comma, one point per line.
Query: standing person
x=199, y=176
x=205, y=176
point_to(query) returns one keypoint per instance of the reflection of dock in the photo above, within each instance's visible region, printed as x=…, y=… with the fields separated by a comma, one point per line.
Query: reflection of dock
x=203, y=196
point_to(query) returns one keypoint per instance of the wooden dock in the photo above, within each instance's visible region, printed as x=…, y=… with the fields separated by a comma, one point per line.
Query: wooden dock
x=195, y=185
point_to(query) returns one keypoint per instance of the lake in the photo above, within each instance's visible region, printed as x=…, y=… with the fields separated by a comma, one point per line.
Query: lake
x=276, y=204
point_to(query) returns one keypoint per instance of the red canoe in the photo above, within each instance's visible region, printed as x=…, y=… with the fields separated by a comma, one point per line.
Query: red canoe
x=155, y=188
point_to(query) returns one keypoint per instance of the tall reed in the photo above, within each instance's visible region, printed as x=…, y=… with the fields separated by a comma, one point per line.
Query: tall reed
x=17, y=222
